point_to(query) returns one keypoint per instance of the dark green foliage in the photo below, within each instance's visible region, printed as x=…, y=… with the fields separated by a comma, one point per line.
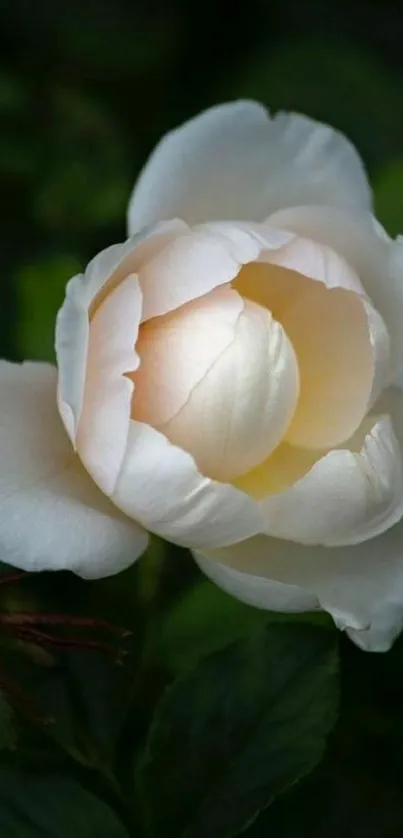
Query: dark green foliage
x=51, y=805
x=242, y=727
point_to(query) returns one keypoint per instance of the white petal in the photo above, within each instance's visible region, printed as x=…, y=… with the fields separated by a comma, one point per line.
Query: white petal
x=361, y=586
x=53, y=517
x=104, y=422
x=200, y=260
x=377, y=261
x=104, y=272
x=221, y=567
x=233, y=161
x=348, y=496
x=381, y=351
x=161, y=487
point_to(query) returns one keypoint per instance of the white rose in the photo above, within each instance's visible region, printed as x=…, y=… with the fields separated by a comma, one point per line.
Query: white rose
x=225, y=381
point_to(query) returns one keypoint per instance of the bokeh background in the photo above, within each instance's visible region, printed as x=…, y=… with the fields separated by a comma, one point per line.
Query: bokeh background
x=86, y=89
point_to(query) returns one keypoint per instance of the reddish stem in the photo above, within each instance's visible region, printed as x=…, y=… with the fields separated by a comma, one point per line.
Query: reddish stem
x=34, y=619
x=43, y=639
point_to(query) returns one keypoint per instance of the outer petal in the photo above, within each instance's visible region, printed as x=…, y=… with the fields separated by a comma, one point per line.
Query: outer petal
x=107, y=269
x=232, y=570
x=360, y=586
x=104, y=423
x=160, y=486
x=53, y=516
x=233, y=161
x=376, y=259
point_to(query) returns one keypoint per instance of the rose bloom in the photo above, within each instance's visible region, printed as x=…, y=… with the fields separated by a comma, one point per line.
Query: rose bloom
x=225, y=380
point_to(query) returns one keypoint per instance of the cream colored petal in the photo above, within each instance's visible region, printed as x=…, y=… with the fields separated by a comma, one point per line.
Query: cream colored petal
x=348, y=496
x=104, y=422
x=279, y=471
x=160, y=486
x=84, y=293
x=53, y=517
x=234, y=161
x=376, y=259
x=243, y=406
x=329, y=332
x=341, y=342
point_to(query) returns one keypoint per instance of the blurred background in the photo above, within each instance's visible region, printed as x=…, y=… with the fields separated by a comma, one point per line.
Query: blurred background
x=87, y=88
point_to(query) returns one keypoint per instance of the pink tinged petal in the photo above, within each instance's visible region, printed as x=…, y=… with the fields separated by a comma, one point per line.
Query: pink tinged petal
x=234, y=161
x=244, y=404
x=176, y=352
x=376, y=259
x=53, y=516
x=104, y=423
x=160, y=486
x=348, y=496
x=86, y=291
x=197, y=262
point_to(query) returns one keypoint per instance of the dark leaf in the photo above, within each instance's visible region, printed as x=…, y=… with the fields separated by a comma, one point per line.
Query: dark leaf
x=356, y=792
x=8, y=732
x=46, y=805
x=241, y=728
x=205, y=619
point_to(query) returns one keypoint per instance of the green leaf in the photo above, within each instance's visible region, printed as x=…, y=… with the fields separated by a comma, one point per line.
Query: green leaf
x=205, y=619
x=241, y=728
x=356, y=792
x=46, y=805
x=8, y=730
